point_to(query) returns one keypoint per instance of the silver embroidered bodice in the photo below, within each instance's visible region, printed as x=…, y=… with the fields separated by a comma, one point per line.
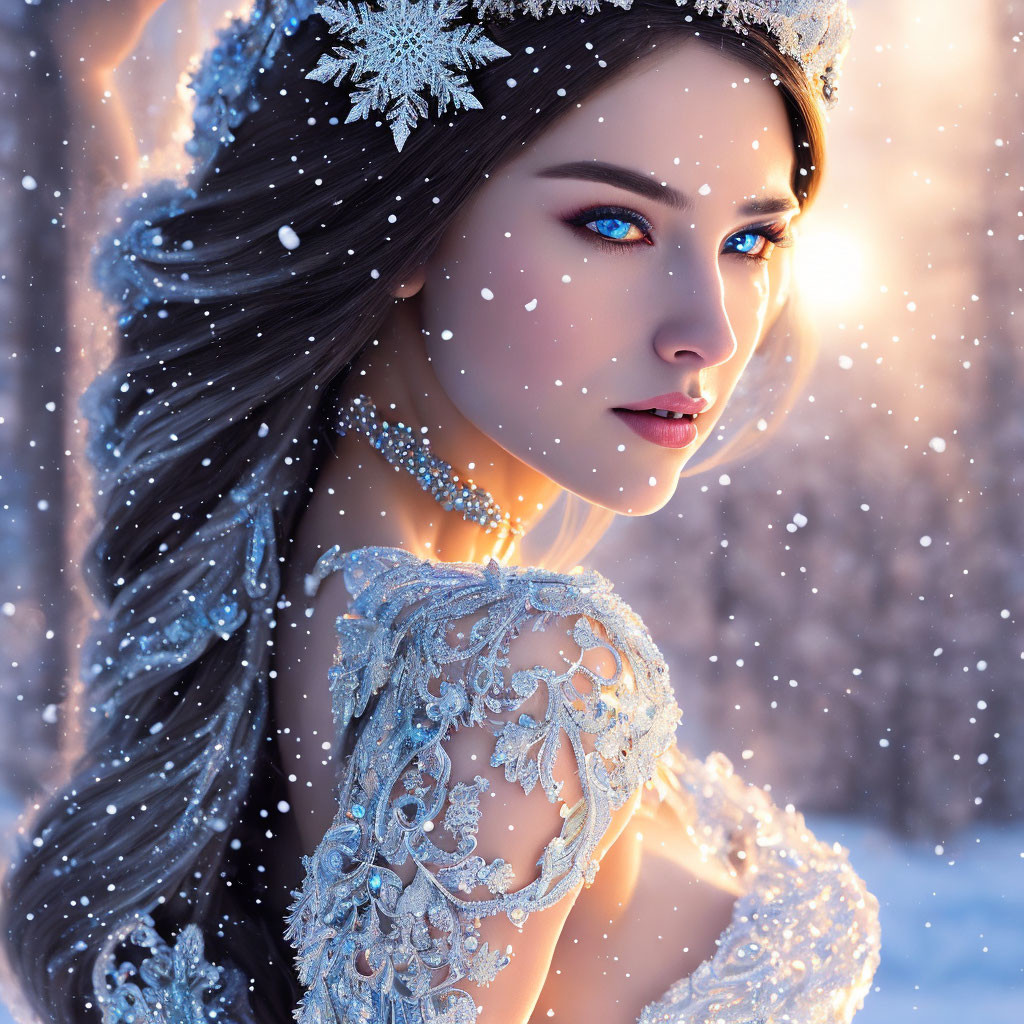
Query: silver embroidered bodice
x=387, y=924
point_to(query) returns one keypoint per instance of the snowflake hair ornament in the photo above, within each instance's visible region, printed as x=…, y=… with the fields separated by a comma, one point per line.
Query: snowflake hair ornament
x=404, y=47
x=401, y=49
x=398, y=53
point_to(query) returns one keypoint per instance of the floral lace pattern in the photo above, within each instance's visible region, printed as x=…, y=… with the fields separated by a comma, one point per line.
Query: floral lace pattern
x=803, y=943
x=398, y=670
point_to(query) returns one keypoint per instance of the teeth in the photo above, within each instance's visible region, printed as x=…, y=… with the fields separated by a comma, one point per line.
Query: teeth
x=665, y=414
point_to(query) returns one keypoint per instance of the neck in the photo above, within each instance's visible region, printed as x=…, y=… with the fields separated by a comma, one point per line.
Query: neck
x=375, y=503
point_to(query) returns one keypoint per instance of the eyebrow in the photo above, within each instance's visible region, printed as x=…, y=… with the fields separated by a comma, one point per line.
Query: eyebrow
x=634, y=181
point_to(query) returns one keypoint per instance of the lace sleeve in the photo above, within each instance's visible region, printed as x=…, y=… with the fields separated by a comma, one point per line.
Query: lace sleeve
x=428, y=847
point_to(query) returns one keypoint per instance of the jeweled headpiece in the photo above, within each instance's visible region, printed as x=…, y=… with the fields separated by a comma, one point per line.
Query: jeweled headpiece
x=399, y=52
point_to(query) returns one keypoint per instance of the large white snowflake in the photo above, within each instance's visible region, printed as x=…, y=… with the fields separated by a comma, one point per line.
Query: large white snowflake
x=400, y=50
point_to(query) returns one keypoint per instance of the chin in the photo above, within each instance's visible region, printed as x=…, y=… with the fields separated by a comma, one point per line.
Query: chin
x=637, y=498
x=646, y=504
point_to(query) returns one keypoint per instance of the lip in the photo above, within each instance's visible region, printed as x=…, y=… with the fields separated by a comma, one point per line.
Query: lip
x=660, y=431
x=672, y=401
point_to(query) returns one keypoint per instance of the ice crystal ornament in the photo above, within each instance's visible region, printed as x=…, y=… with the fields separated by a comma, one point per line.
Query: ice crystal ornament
x=815, y=33
x=174, y=985
x=225, y=82
x=403, y=49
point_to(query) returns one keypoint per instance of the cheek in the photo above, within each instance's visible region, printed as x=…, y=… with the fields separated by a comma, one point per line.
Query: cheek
x=780, y=275
x=534, y=329
x=748, y=299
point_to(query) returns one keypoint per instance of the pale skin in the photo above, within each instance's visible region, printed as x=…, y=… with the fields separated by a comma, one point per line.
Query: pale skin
x=684, y=314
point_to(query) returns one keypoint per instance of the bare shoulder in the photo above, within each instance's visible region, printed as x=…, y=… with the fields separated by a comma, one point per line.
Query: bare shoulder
x=487, y=734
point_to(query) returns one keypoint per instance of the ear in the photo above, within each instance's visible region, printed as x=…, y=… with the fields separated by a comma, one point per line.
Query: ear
x=407, y=289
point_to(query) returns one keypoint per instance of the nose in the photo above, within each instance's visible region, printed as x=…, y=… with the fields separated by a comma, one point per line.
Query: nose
x=695, y=326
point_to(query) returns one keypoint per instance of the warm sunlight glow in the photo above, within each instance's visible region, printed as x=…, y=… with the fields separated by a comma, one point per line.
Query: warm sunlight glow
x=830, y=269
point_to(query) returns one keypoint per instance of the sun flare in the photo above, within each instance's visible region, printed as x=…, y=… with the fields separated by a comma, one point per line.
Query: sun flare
x=830, y=269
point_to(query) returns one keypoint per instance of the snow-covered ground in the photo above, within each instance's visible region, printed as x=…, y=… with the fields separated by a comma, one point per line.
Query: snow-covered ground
x=952, y=922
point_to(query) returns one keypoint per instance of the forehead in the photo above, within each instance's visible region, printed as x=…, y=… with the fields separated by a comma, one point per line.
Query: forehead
x=685, y=115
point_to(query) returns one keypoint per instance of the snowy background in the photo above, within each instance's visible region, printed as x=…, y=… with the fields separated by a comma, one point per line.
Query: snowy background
x=858, y=645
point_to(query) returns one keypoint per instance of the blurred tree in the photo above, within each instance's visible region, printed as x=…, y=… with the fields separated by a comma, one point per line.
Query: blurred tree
x=33, y=349
x=67, y=152
x=998, y=433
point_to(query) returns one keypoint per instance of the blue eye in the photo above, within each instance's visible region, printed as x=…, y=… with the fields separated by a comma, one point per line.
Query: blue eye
x=759, y=243
x=748, y=243
x=611, y=226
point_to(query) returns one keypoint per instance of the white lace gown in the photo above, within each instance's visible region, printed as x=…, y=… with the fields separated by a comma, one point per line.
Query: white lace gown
x=803, y=942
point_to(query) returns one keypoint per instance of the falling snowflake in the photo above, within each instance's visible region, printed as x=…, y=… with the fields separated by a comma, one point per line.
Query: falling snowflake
x=404, y=47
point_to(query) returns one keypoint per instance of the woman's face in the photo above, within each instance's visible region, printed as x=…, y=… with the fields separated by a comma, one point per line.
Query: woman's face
x=625, y=257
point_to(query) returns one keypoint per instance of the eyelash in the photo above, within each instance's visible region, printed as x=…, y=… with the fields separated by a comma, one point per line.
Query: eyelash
x=776, y=235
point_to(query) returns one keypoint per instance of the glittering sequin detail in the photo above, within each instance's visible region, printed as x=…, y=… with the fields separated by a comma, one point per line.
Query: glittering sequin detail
x=175, y=984
x=803, y=944
x=406, y=51
x=398, y=669
x=226, y=82
x=410, y=450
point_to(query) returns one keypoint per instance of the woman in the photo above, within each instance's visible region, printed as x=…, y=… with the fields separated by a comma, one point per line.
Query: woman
x=334, y=692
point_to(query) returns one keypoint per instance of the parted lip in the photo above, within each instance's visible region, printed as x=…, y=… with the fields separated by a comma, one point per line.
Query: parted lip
x=674, y=401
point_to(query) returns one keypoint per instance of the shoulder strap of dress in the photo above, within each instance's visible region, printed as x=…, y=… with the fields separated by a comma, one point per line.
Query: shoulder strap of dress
x=360, y=565
x=368, y=567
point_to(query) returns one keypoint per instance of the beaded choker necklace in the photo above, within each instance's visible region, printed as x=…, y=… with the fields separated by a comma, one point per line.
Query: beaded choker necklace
x=410, y=451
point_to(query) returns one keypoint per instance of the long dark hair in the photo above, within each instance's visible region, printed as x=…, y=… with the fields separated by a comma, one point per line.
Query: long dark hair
x=215, y=402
